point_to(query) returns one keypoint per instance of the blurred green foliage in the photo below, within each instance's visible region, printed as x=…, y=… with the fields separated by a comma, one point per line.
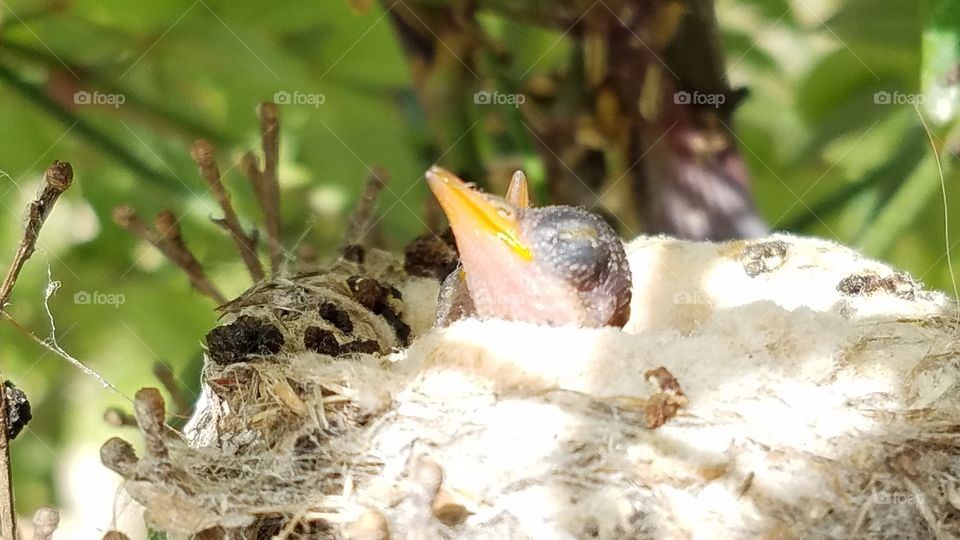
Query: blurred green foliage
x=833, y=142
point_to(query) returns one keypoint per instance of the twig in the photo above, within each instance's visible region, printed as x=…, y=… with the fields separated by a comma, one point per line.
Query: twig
x=440, y=41
x=117, y=417
x=596, y=106
x=119, y=456
x=151, y=417
x=169, y=240
x=265, y=181
x=202, y=154
x=362, y=215
x=169, y=381
x=168, y=228
x=45, y=521
x=57, y=179
x=536, y=12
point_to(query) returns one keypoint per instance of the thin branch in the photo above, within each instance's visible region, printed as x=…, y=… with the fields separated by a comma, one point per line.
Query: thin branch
x=119, y=456
x=440, y=43
x=265, y=181
x=57, y=179
x=202, y=154
x=169, y=240
x=553, y=13
x=632, y=53
x=151, y=418
x=45, y=522
x=181, y=402
x=363, y=215
x=8, y=517
x=168, y=227
x=117, y=417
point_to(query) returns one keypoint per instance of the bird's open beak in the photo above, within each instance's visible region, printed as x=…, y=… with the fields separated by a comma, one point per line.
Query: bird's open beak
x=469, y=211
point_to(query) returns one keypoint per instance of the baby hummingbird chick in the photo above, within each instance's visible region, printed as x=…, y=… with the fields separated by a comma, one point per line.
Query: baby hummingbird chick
x=555, y=265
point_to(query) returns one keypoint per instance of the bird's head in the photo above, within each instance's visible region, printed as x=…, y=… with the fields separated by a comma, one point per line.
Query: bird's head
x=553, y=265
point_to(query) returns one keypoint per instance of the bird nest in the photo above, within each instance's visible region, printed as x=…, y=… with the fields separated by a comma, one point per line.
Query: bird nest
x=783, y=387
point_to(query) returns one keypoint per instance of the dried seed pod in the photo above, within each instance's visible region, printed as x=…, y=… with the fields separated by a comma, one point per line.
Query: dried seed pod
x=336, y=316
x=245, y=338
x=762, y=257
x=119, y=456
x=429, y=255
x=372, y=295
x=371, y=525
x=45, y=522
x=151, y=415
x=367, y=346
x=18, y=409
x=117, y=417
x=322, y=341
x=448, y=510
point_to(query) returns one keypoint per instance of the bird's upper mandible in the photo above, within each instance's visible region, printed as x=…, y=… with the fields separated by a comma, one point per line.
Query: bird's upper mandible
x=555, y=265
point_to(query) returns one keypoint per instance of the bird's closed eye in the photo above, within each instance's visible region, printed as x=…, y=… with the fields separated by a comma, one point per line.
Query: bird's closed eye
x=503, y=210
x=578, y=233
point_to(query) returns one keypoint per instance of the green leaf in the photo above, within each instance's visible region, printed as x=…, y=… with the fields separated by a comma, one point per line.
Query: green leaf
x=879, y=183
x=940, y=76
x=864, y=25
x=912, y=200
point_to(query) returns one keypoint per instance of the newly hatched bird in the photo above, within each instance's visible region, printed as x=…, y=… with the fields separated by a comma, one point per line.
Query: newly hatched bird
x=556, y=265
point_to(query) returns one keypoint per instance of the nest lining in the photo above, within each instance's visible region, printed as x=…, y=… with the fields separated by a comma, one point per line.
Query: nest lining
x=806, y=392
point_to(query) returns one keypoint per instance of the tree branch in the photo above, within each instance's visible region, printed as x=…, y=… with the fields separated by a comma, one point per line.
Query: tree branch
x=266, y=183
x=57, y=179
x=440, y=42
x=362, y=216
x=628, y=119
x=202, y=154
x=169, y=240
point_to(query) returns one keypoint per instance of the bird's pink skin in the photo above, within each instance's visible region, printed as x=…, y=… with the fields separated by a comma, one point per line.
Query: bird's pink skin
x=501, y=274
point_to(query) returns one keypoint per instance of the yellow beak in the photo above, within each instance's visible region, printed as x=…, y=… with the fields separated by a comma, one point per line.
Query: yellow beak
x=468, y=209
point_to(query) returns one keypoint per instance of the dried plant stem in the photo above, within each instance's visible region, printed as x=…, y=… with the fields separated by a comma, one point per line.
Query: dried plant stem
x=441, y=41
x=202, y=154
x=57, y=179
x=181, y=402
x=151, y=417
x=117, y=417
x=362, y=216
x=8, y=518
x=169, y=240
x=266, y=184
x=624, y=86
x=45, y=522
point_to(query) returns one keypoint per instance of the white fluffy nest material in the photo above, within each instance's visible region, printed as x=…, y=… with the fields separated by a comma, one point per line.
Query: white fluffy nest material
x=819, y=400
